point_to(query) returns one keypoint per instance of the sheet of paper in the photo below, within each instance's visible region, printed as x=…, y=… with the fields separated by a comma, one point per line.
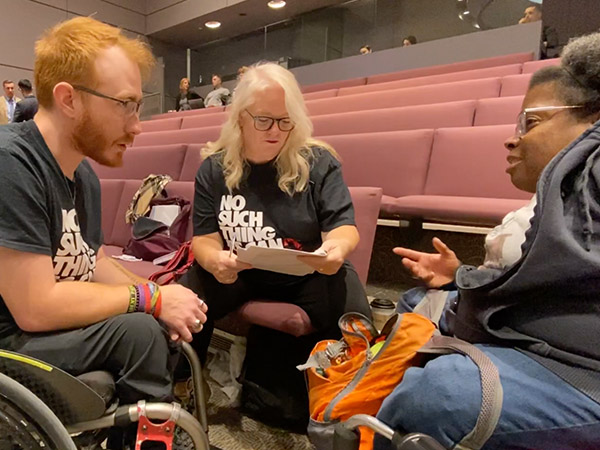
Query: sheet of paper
x=281, y=260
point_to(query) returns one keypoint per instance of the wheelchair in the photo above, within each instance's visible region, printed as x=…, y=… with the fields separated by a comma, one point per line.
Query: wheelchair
x=43, y=407
x=346, y=435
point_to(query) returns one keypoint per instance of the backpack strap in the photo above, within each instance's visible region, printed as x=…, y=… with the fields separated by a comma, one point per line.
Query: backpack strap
x=491, y=388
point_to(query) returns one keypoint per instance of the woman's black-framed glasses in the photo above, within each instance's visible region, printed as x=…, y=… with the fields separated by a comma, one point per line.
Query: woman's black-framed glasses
x=130, y=107
x=264, y=123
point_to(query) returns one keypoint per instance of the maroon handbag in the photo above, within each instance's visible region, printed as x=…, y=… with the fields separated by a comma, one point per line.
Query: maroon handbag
x=151, y=238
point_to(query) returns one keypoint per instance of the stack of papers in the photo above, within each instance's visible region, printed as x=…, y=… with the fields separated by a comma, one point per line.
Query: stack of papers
x=280, y=260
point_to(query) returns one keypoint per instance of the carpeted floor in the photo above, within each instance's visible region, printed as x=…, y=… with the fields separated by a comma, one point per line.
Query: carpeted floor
x=229, y=429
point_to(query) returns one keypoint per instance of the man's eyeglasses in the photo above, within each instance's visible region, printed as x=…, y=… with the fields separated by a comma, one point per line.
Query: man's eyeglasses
x=526, y=123
x=264, y=123
x=130, y=107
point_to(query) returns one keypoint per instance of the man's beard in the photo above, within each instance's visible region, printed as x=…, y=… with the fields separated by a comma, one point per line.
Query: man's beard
x=89, y=138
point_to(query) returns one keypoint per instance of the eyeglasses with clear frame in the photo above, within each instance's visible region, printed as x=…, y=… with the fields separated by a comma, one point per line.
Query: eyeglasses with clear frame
x=264, y=123
x=130, y=107
x=524, y=127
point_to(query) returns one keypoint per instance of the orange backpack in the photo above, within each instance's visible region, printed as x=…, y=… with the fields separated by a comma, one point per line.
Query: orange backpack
x=354, y=375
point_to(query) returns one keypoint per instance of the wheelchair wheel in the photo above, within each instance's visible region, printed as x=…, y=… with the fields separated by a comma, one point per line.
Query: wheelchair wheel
x=26, y=423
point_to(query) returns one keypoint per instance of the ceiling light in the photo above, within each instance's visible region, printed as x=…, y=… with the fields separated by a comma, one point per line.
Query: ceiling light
x=276, y=4
x=212, y=24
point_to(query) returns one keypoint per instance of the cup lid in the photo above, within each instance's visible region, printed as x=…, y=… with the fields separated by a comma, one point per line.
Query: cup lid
x=382, y=303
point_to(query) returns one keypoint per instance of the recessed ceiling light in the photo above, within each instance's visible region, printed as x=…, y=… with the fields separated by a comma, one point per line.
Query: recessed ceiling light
x=276, y=4
x=212, y=24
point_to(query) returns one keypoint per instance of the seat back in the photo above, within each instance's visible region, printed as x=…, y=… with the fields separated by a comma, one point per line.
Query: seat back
x=515, y=85
x=421, y=95
x=171, y=123
x=206, y=120
x=514, y=58
x=367, y=201
x=192, y=162
x=334, y=85
x=188, y=136
x=534, y=66
x=499, y=71
x=139, y=162
x=497, y=111
x=471, y=162
x=193, y=112
x=395, y=161
x=453, y=114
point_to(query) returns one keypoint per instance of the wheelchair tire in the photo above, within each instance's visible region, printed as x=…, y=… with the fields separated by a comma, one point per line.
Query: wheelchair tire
x=26, y=423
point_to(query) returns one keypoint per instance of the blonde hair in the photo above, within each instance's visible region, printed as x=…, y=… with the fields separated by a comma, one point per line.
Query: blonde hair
x=181, y=83
x=294, y=159
x=67, y=51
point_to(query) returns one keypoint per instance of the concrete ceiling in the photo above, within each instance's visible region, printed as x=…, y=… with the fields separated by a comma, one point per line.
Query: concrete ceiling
x=240, y=18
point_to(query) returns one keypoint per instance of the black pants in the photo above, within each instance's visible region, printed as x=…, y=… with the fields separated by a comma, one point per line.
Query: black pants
x=324, y=297
x=133, y=347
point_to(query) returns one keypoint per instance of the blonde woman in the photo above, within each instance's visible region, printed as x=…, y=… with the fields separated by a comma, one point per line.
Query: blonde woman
x=266, y=182
x=184, y=96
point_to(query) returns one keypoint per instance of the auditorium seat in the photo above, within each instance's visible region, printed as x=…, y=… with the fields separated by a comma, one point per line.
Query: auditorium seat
x=191, y=162
x=515, y=85
x=206, y=120
x=189, y=136
x=328, y=93
x=497, y=111
x=139, y=162
x=336, y=84
x=512, y=69
x=452, y=114
x=190, y=112
x=172, y=123
x=420, y=95
x=515, y=58
x=533, y=66
x=395, y=160
x=466, y=179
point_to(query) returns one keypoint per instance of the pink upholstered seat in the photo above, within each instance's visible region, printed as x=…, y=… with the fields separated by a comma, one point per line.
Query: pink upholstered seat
x=512, y=69
x=421, y=95
x=515, y=85
x=452, y=114
x=497, y=111
x=328, y=93
x=172, y=123
x=206, y=120
x=515, y=58
x=533, y=66
x=191, y=163
x=139, y=162
x=396, y=161
x=188, y=136
x=334, y=85
x=466, y=179
x=192, y=112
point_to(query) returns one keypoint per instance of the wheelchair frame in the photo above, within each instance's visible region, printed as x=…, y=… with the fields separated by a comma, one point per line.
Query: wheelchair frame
x=62, y=401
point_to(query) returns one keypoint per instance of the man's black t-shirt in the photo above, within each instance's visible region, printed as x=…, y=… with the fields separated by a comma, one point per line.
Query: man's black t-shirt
x=260, y=213
x=44, y=212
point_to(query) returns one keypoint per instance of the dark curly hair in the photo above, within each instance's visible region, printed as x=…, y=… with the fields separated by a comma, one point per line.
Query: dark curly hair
x=578, y=76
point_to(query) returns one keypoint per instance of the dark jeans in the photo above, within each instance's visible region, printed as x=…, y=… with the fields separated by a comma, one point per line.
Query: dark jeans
x=324, y=297
x=133, y=347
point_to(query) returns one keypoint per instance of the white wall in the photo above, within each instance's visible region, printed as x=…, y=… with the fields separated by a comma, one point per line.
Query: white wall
x=23, y=22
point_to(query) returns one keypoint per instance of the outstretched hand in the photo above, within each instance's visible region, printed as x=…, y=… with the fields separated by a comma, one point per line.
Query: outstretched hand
x=434, y=269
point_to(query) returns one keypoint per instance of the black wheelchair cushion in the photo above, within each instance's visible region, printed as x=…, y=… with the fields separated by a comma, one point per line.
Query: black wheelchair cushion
x=102, y=383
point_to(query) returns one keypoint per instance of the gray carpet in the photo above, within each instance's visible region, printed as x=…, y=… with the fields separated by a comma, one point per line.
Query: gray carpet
x=229, y=429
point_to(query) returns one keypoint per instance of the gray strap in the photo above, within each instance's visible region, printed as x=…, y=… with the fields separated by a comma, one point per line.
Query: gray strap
x=491, y=388
x=432, y=305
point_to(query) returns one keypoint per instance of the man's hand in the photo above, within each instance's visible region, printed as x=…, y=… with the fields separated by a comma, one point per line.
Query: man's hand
x=225, y=268
x=435, y=269
x=182, y=311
